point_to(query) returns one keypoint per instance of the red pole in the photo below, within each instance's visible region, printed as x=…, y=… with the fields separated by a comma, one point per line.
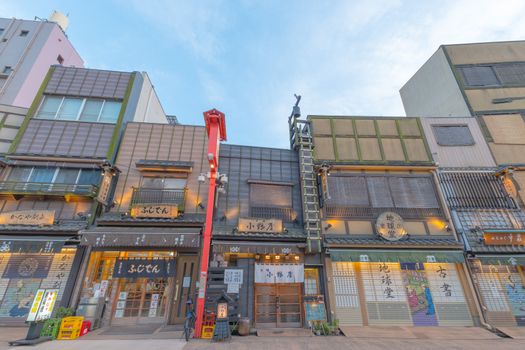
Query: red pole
x=216, y=129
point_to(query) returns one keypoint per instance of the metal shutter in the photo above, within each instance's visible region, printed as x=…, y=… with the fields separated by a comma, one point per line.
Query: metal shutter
x=511, y=73
x=479, y=76
x=347, y=191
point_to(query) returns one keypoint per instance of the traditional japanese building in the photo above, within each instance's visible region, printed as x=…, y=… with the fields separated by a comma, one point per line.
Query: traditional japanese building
x=391, y=254
x=142, y=256
x=260, y=254
x=57, y=177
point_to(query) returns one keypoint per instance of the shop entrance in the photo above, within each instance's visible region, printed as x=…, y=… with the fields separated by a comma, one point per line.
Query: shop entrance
x=141, y=300
x=278, y=305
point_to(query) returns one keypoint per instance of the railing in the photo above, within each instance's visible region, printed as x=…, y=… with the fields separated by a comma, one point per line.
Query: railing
x=367, y=212
x=48, y=189
x=285, y=214
x=158, y=196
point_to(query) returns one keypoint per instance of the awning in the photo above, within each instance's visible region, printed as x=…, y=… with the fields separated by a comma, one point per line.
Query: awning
x=420, y=256
x=141, y=237
x=32, y=244
x=501, y=259
x=257, y=247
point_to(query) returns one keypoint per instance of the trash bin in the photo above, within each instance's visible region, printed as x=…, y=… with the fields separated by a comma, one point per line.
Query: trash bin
x=244, y=326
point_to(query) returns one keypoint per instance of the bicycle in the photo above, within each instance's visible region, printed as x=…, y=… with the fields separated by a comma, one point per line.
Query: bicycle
x=189, y=322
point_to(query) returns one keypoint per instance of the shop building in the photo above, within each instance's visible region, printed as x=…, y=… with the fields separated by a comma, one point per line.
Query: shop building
x=57, y=178
x=391, y=254
x=143, y=253
x=487, y=213
x=260, y=255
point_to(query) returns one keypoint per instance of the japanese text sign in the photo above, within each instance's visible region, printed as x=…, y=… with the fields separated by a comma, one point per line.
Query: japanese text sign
x=28, y=217
x=233, y=276
x=504, y=238
x=155, y=211
x=133, y=268
x=260, y=225
x=43, y=305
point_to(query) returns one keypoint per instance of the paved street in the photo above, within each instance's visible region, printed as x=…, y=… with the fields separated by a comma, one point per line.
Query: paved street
x=364, y=338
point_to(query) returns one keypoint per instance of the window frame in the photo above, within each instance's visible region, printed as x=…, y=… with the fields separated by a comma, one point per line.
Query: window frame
x=80, y=110
x=7, y=70
x=467, y=85
x=163, y=178
x=269, y=183
x=55, y=175
x=433, y=126
x=24, y=33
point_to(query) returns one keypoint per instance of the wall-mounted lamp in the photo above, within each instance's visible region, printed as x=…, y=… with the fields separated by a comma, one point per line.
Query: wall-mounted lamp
x=277, y=257
x=200, y=205
x=327, y=227
x=297, y=257
x=267, y=257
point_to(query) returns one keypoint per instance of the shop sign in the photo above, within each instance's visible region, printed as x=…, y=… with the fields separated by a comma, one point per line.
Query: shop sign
x=315, y=310
x=28, y=266
x=149, y=268
x=260, y=225
x=155, y=211
x=43, y=305
x=390, y=226
x=279, y=273
x=103, y=192
x=28, y=217
x=233, y=276
x=504, y=238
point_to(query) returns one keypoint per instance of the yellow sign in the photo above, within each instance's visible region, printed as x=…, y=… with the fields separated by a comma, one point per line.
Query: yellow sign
x=28, y=217
x=155, y=211
x=260, y=225
x=34, y=307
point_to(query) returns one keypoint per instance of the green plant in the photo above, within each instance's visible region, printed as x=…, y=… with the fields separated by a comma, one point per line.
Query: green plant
x=64, y=312
x=326, y=328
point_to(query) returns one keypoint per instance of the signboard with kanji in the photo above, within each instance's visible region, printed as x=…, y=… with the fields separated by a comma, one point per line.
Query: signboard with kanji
x=389, y=226
x=155, y=211
x=28, y=217
x=43, y=305
x=233, y=276
x=504, y=238
x=260, y=225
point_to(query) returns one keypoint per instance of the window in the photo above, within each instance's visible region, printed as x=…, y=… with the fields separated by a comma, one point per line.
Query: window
x=263, y=195
x=75, y=108
x=60, y=59
x=453, y=135
x=7, y=70
x=511, y=73
x=24, y=32
x=55, y=175
x=163, y=183
x=1, y=31
x=479, y=76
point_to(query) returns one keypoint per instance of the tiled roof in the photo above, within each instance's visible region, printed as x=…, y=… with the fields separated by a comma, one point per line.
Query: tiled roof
x=120, y=218
x=367, y=241
x=475, y=241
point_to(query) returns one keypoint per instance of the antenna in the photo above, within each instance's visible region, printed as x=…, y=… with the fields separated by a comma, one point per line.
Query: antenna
x=296, y=111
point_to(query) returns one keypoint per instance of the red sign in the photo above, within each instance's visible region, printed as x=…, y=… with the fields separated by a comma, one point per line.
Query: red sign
x=504, y=238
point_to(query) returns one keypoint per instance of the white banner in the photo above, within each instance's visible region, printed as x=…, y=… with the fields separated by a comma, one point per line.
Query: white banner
x=279, y=273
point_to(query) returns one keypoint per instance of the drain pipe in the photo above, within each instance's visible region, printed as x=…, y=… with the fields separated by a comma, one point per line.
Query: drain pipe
x=468, y=273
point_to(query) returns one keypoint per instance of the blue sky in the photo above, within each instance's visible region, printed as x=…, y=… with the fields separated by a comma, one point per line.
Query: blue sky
x=248, y=58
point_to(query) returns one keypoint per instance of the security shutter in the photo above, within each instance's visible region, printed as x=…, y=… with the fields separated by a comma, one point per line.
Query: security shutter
x=413, y=192
x=379, y=192
x=262, y=195
x=511, y=73
x=453, y=135
x=348, y=191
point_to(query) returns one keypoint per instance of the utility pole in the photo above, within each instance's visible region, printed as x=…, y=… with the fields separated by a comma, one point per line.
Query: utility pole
x=216, y=129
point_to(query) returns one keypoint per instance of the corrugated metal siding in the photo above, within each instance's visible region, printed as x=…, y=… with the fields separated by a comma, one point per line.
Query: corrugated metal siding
x=88, y=82
x=477, y=155
x=66, y=138
x=162, y=142
x=243, y=163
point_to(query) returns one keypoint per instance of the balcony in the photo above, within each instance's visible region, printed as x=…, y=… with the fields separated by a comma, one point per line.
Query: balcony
x=159, y=196
x=68, y=191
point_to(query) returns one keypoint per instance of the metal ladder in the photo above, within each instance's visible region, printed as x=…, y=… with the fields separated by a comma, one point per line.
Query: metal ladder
x=301, y=141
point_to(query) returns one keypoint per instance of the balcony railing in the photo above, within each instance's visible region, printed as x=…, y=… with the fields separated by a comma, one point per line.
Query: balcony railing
x=46, y=189
x=159, y=196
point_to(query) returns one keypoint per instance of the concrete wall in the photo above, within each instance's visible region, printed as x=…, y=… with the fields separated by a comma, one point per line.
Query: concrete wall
x=476, y=155
x=10, y=120
x=30, y=57
x=149, y=108
x=506, y=51
x=433, y=91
